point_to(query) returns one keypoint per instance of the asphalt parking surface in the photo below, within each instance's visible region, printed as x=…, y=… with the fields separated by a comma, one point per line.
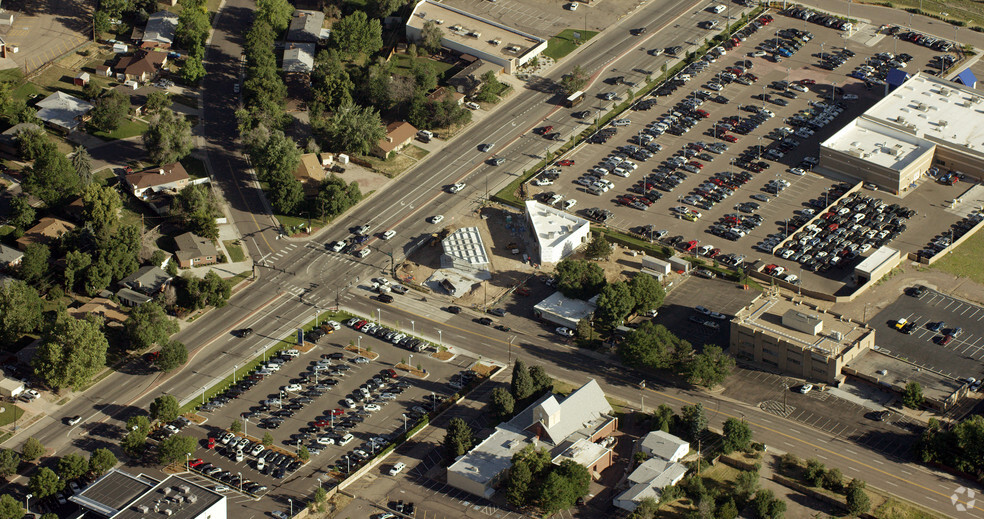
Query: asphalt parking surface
x=726, y=297
x=962, y=357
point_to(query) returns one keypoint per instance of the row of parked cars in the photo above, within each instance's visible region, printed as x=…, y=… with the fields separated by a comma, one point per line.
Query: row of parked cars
x=827, y=20
x=379, y=331
x=941, y=241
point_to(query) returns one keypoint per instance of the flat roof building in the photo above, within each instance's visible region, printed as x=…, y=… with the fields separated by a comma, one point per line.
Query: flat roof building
x=802, y=340
x=464, y=250
x=565, y=311
x=883, y=370
x=471, y=34
x=881, y=262
x=924, y=122
x=556, y=234
x=119, y=495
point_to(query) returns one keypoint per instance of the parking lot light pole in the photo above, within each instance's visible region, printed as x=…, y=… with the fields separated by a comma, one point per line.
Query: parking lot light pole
x=27, y=502
x=188, y=462
x=235, y=368
x=413, y=329
x=379, y=317
x=410, y=361
x=360, y=345
x=245, y=426
x=240, y=474
x=203, y=395
x=291, y=502
x=440, y=338
x=404, y=422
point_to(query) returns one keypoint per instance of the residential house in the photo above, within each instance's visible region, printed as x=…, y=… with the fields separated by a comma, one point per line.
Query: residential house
x=63, y=112
x=398, y=135
x=664, y=445
x=10, y=257
x=132, y=297
x=105, y=308
x=195, y=251
x=46, y=231
x=661, y=470
x=310, y=172
x=169, y=178
x=8, y=139
x=142, y=66
x=104, y=70
x=299, y=58
x=159, y=31
x=577, y=427
x=469, y=79
x=305, y=26
x=149, y=280
x=440, y=93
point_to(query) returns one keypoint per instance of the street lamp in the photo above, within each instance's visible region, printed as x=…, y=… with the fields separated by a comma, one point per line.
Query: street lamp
x=360, y=345
x=379, y=317
x=235, y=368
x=240, y=474
x=404, y=422
x=245, y=428
x=410, y=361
x=27, y=502
x=291, y=502
x=440, y=338
x=187, y=462
x=413, y=329
x=203, y=395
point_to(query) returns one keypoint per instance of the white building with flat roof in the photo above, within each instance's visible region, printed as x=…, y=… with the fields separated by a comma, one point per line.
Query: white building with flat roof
x=924, y=122
x=471, y=34
x=556, y=234
x=565, y=311
x=464, y=250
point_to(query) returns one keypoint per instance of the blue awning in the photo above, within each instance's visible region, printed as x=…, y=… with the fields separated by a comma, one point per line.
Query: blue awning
x=966, y=77
x=896, y=77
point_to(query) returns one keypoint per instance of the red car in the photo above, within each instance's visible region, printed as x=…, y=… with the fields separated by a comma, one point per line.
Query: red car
x=391, y=373
x=545, y=130
x=730, y=138
x=210, y=443
x=695, y=164
x=321, y=423
x=702, y=113
x=337, y=411
x=807, y=82
x=195, y=462
x=565, y=162
x=769, y=269
x=691, y=245
x=713, y=253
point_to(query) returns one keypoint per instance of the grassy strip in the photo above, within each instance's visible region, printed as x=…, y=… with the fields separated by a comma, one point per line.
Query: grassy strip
x=10, y=414
x=564, y=43
x=236, y=253
x=964, y=261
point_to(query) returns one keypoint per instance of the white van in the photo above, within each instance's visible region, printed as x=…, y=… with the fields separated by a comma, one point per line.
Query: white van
x=290, y=353
x=260, y=464
x=345, y=440
x=397, y=468
x=718, y=9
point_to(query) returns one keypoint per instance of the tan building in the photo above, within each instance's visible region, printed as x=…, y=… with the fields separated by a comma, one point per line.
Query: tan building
x=398, y=135
x=105, y=308
x=142, y=66
x=310, y=172
x=194, y=251
x=797, y=339
x=169, y=178
x=46, y=231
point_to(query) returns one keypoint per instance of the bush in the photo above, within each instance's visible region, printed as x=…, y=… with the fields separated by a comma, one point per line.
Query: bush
x=789, y=461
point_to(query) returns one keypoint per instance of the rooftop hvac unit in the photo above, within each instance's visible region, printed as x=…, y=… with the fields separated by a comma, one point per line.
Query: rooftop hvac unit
x=192, y=498
x=496, y=42
x=166, y=490
x=910, y=126
x=474, y=34
x=143, y=509
x=439, y=22
x=854, y=153
x=900, y=119
x=943, y=123
x=837, y=336
x=185, y=489
x=921, y=107
x=455, y=27
x=168, y=512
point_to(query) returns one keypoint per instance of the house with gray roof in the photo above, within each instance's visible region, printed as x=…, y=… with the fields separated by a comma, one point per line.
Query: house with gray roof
x=10, y=257
x=664, y=445
x=160, y=30
x=299, y=58
x=195, y=251
x=660, y=471
x=149, y=280
x=63, y=112
x=305, y=26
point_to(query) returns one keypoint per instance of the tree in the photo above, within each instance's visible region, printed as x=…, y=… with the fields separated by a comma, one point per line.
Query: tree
x=562, y=486
x=351, y=128
x=694, y=421
x=767, y=506
x=149, y=325
x=575, y=80
x=236, y=427
x=491, y=86
x=71, y=353
x=197, y=209
x=157, y=102
x=101, y=460
x=22, y=215
x=814, y=472
x=737, y=435
x=357, y=34
x=833, y=479
x=541, y=381
x=614, y=304
x=330, y=81
x=384, y=8
x=33, y=142
x=584, y=330
x=710, y=367
x=431, y=36
x=9, y=461
x=168, y=138
x=109, y=110
x=82, y=162
x=521, y=385
x=20, y=311
x=52, y=178
x=10, y=507
x=193, y=70
x=279, y=156
x=173, y=355
x=746, y=484
x=335, y=197
x=193, y=26
x=277, y=13
x=458, y=440
x=138, y=427
x=518, y=483
x=44, y=483
x=502, y=403
x=727, y=509
x=653, y=346
x=101, y=206
x=858, y=501
x=303, y=453
x=662, y=418
x=72, y=466
x=598, y=247
x=164, y=408
x=647, y=291
x=34, y=265
x=912, y=396
x=267, y=439
x=578, y=278
x=646, y=509
x=32, y=449
x=175, y=448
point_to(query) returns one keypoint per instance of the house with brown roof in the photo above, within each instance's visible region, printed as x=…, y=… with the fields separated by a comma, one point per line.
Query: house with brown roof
x=141, y=66
x=105, y=308
x=195, y=251
x=398, y=135
x=46, y=231
x=438, y=95
x=310, y=172
x=169, y=178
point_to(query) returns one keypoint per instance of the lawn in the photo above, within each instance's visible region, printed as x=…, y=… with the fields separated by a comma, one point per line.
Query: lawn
x=128, y=128
x=236, y=253
x=964, y=260
x=392, y=167
x=402, y=62
x=10, y=413
x=415, y=152
x=5, y=230
x=195, y=167
x=564, y=43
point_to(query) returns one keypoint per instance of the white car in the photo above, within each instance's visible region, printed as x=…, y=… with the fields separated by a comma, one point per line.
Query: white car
x=806, y=388
x=389, y=234
x=570, y=203
x=335, y=325
x=292, y=387
x=566, y=332
x=350, y=403
x=361, y=360
x=572, y=6
x=798, y=87
x=757, y=54
x=850, y=97
x=472, y=105
x=371, y=407
x=456, y=187
x=797, y=171
x=226, y=438
x=326, y=440
x=397, y=468
x=258, y=448
x=702, y=310
x=31, y=394
x=621, y=122
x=438, y=218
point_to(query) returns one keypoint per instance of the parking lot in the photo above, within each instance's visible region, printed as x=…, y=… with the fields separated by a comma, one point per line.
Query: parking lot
x=777, y=184
x=716, y=295
x=935, y=316
x=287, y=404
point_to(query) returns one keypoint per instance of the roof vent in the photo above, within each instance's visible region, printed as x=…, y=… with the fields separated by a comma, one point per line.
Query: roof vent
x=168, y=512
x=166, y=491
x=192, y=498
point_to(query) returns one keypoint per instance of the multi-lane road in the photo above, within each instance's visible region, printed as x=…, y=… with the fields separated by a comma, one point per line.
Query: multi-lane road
x=295, y=278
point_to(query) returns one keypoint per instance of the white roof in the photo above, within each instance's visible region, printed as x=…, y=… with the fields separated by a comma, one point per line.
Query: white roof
x=581, y=409
x=465, y=246
x=664, y=444
x=568, y=308
x=878, y=143
x=649, y=480
x=877, y=258
x=62, y=110
x=494, y=455
x=583, y=452
x=299, y=57
x=552, y=226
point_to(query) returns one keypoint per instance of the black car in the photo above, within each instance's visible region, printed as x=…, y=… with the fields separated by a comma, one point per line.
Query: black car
x=243, y=332
x=485, y=321
x=454, y=309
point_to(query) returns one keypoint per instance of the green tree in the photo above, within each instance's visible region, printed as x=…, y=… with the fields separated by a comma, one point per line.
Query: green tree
x=727, y=509
x=101, y=206
x=9, y=461
x=32, y=449
x=491, y=87
x=193, y=26
x=164, y=408
x=193, y=70
x=100, y=24
x=303, y=453
x=768, y=506
x=694, y=421
x=197, y=209
x=356, y=34
x=646, y=509
x=75, y=263
x=614, y=304
x=34, y=265
x=912, y=396
x=709, y=368
x=33, y=142
x=584, y=330
x=335, y=197
x=71, y=353
x=858, y=501
x=44, y=483
x=267, y=439
x=431, y=36
x=562, y=486
x=814, y=472
x=109, y=110
x=173, y=355
x=101, y=460
x=541, y=381
x=653, y=346
x=746, y=484
x=502, y=403
x=579, y=279
x=458, y=439
x=384, y=8
x=10, y=507
x=82, y=162
x=647, y=291
x=137, y=427
x=598, y=247
x=662, y=418
x=168, y=138
x=277, y=13
x=52, y=178
x=72, y=466
x=149, y=325
x=518, y=482
x=737, y=435
x=236, y=427
x=330, y=81
x=20, y=311
x=833, y=479
x=175, y=448
x=157, y=102
x=575, y=80
x=22, y=215
x=351, y=128
x=521, y=385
